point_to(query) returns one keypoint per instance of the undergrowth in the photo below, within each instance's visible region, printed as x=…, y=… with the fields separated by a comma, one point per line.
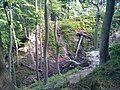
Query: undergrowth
x=105, y=77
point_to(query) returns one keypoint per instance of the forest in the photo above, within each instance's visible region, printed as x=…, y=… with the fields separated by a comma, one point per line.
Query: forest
x=59, y=44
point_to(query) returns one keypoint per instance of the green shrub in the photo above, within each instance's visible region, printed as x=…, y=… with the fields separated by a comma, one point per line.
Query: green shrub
x=55, y=82
x=115, y=51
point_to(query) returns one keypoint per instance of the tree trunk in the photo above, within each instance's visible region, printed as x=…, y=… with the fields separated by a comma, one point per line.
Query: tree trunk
x=97, y=24
x=41, y=49
x=5, y=82
x=36, y=42
x=104, y=44
x=46, y=41
x=11, y=44
x=16, y=46
x=57, y=46
x=36, y=53
x=96, y=30
x=10, y=23
x=40, y=39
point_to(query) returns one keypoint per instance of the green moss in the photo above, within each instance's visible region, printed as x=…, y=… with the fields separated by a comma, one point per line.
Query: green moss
x=68, y=29
x=56, y=82
x=115, y=50
x=106, y=76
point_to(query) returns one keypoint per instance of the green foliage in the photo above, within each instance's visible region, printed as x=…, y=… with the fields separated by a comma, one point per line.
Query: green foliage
x=23, y=17
x=55, y=7
x=115, y=51
x=69, y=28
x=105, y=77
x=55, y=82
x=116, y=18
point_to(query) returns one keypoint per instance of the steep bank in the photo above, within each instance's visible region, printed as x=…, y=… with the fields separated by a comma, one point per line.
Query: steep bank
x=105, y=77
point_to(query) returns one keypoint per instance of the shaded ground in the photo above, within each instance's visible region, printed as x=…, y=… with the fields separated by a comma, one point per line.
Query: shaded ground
x=27, y=63
x=93, y=57
x=105, y=77
x=87, y=61
x=26, y=71
x=68, y=80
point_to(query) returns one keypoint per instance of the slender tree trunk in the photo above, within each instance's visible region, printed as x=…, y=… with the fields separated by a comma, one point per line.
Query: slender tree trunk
x=57, y=45
x=5, y=82
x=36, y=42
x=36, y=53
x=96, y=25
x=11, y=45
x=41, y=49
x=13, y=72
x=104, y=44
x=96, y=30
x=46, y=41
x=16, y=46
x=10, y=48
x=40, y=38
x=6, y=77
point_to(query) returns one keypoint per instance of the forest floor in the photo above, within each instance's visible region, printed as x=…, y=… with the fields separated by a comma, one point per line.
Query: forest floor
x=93, y=57
x=69, y=78
x=88, y=61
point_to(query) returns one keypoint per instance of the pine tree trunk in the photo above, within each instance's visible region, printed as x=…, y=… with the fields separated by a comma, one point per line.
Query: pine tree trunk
x=104, y=44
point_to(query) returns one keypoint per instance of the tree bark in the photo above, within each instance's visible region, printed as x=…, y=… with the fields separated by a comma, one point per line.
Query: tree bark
x=57, y=45
x=36, y=42
x=16, y=46
x=96, y=30
x=104, y=44
x=11, y=44
x=40, y=39
x=41, y=49
x=46, y=41
x=96, y=25
x=36, y=53
x=5, y=82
